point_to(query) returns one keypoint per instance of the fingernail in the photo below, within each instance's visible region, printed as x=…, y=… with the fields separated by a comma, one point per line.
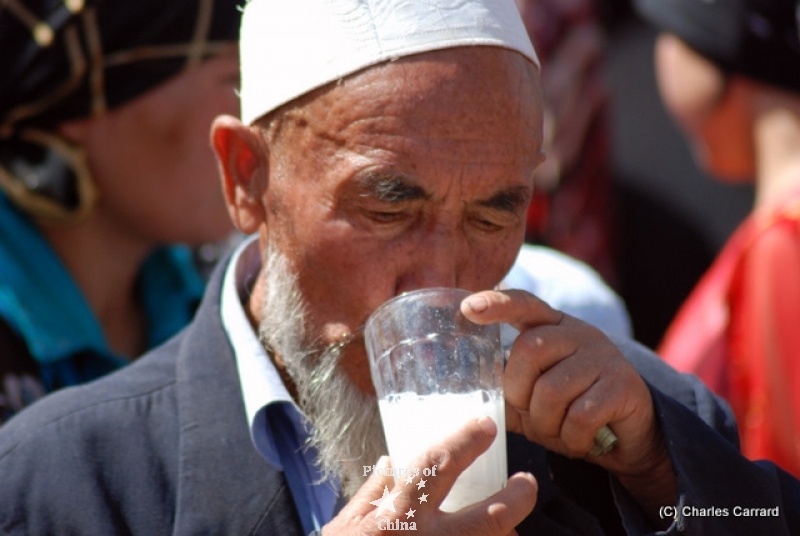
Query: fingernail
x=478, y=303
x=383, y=462
x=488, y=425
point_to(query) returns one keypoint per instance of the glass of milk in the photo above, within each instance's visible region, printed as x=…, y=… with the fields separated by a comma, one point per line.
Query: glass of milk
x=433, y=370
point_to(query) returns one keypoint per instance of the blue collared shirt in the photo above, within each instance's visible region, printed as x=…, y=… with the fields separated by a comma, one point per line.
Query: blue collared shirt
x=278, y=427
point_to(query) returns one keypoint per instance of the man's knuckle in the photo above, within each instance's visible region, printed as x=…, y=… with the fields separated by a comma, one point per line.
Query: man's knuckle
x=548, y=390
x=585, y=413
x=492, y=521
x=444, y=459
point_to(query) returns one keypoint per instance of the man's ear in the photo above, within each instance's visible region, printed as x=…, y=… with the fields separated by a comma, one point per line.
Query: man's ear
x=244, y=170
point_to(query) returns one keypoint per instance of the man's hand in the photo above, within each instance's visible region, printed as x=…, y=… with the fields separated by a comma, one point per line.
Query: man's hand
x=564, y=380
x=497, y=515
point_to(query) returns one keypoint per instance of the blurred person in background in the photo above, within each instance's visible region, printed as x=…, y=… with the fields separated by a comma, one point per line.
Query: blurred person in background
x=570, y=229
x=729, y=71
x=105, y=166
x=573, y=209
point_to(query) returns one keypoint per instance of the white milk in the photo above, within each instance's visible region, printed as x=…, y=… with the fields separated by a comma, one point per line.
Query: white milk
x=412, y=423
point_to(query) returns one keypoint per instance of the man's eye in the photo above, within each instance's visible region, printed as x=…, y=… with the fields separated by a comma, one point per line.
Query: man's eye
x=487, y=225
x=385, y=217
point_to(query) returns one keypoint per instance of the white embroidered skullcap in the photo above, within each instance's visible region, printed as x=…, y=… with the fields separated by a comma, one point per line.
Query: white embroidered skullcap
x=291, y=47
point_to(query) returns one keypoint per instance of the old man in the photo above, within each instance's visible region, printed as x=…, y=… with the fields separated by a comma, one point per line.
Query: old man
x=384, y=146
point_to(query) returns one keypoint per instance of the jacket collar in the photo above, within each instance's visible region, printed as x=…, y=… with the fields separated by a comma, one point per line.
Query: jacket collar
x=223, y=482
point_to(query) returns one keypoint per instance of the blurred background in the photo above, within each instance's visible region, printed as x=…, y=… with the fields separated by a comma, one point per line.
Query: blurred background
x=644, y=215
x=673, y=217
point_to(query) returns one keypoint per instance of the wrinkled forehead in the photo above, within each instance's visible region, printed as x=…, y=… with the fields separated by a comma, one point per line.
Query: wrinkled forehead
x=466, y=116
x=464, y=93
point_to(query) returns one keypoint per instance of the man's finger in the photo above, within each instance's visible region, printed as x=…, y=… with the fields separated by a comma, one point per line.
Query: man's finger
x=454, y=454
x=516, y=307
x=501, y=512
x=585, y=417
x=533, y=353
x=554, y=395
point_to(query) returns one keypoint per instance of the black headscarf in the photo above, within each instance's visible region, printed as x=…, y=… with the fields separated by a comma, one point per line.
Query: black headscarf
x=755, y=38
x=69, y=59
x=119, y=50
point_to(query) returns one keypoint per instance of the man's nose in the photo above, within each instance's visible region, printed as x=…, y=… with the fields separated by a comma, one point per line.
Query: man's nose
x=435, y=260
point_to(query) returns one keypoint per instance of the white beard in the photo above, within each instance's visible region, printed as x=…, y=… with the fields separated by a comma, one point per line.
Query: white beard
x=347, y=431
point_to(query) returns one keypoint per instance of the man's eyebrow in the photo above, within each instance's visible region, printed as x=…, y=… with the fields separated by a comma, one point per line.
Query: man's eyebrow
x=510, y=200
x=391, y=187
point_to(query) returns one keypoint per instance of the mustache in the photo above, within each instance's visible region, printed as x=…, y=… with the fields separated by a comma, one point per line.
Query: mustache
x=349, y=338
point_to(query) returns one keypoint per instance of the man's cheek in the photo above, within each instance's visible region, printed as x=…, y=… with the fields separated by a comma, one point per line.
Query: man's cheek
x=355, y=365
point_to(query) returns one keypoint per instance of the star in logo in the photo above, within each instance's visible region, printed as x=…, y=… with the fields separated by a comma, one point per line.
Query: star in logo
x=420, y=484
x=410, y=513
x=386, y=502
x=423, y=498
x=409, y=479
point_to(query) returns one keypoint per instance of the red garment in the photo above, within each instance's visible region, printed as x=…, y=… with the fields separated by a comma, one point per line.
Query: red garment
x=739, y=331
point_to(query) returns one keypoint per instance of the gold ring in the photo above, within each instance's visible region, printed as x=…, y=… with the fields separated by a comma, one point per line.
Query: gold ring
x=604, y=441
